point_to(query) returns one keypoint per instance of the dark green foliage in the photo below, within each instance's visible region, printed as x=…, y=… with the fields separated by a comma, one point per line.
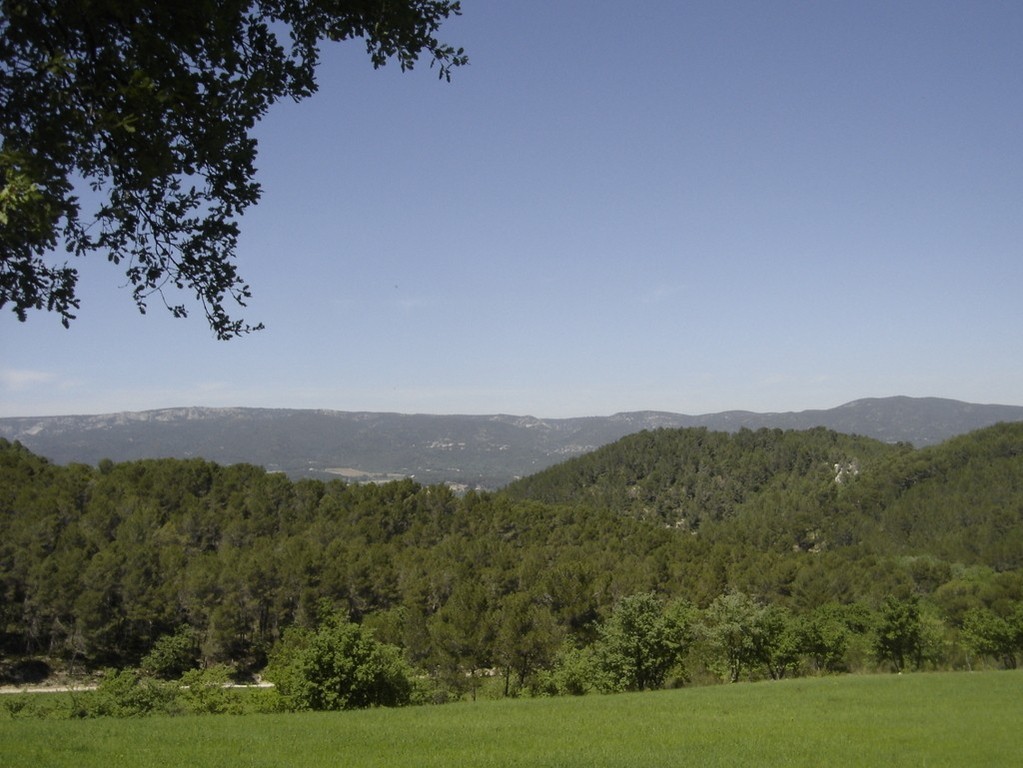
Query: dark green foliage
x=689, y=477
x=972, y=483
x=574, y=673
x=172, y=655
x=899, y=638
x=1000, y=637
x=736, y=634
x=894, y=558
x=338, y=666
x=824, y=637
x=641, y=642
x=779, y=641
x=205, y=691
x=527, y=639
x=126, y=693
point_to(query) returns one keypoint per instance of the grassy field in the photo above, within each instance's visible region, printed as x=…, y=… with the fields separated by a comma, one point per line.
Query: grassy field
x=955, y=719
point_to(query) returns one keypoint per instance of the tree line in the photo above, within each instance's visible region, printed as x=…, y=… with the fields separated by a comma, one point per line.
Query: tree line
x=671, y=556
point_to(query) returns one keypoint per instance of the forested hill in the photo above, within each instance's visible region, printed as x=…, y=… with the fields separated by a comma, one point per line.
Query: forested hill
x=961, y=501
x=683, y=477
x=101, y=564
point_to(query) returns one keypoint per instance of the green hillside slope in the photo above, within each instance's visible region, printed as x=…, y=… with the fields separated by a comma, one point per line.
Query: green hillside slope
x=794, y=533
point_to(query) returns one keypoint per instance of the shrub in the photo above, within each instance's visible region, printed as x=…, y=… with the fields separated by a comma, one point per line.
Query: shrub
x=206, y=692
x=172, y=655
x=126, y=693
x=339, y=666
x=573, y=673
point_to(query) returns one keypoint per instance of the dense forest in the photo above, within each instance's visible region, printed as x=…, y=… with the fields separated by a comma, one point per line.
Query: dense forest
x=669, y=556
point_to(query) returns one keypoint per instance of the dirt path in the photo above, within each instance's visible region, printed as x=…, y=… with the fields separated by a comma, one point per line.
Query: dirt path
x=12, y=689
x=8, y=689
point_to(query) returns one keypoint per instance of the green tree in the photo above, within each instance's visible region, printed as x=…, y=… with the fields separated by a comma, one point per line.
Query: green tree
x=152, y=104
x=527, y=638
x=988, y=634
x=899, y=636
x=824, y=637
x=641, y=642
x=777, y=638
x=731, y=632
x=463, y=633
x=172, y=655
x=338, y=666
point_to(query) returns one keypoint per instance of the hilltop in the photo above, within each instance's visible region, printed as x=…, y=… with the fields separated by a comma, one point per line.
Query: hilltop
x=474, y=451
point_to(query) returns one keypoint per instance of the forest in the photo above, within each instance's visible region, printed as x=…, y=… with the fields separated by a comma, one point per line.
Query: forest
x=671, y=557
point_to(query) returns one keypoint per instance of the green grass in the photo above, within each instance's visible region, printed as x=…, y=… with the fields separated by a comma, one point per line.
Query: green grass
x=953, y=719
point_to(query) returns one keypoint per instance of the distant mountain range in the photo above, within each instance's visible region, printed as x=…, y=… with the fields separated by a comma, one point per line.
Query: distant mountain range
x=475, y=451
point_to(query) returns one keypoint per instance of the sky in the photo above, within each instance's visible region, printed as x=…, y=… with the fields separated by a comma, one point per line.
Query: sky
x=655, y=205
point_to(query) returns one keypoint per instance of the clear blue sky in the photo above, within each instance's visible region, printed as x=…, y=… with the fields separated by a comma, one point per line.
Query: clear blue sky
x=683, y=206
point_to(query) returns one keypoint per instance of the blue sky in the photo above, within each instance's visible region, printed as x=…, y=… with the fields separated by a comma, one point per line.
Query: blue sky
x=676, y=206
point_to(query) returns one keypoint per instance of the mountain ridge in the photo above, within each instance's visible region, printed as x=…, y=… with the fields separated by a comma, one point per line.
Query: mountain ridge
x=485, y=451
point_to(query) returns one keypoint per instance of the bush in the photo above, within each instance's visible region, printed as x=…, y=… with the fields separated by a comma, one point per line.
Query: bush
x=206, y=692
x=126, y=693
x=340, y=666
x=573, y=674
x=172, y=655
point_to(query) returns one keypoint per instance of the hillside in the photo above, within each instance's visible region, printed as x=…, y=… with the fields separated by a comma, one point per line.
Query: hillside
x=474, y=451
x=684, y=477
x=808, y=532
x=960, y=501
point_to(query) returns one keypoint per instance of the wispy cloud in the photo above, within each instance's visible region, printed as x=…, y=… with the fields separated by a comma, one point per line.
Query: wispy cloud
x=662, y=293
x=18, y=380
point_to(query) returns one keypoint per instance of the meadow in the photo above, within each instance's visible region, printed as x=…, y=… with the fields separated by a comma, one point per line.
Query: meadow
x=934, y=719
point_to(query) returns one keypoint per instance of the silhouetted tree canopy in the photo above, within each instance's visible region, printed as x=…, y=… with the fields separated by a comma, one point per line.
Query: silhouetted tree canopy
x=151, y=104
